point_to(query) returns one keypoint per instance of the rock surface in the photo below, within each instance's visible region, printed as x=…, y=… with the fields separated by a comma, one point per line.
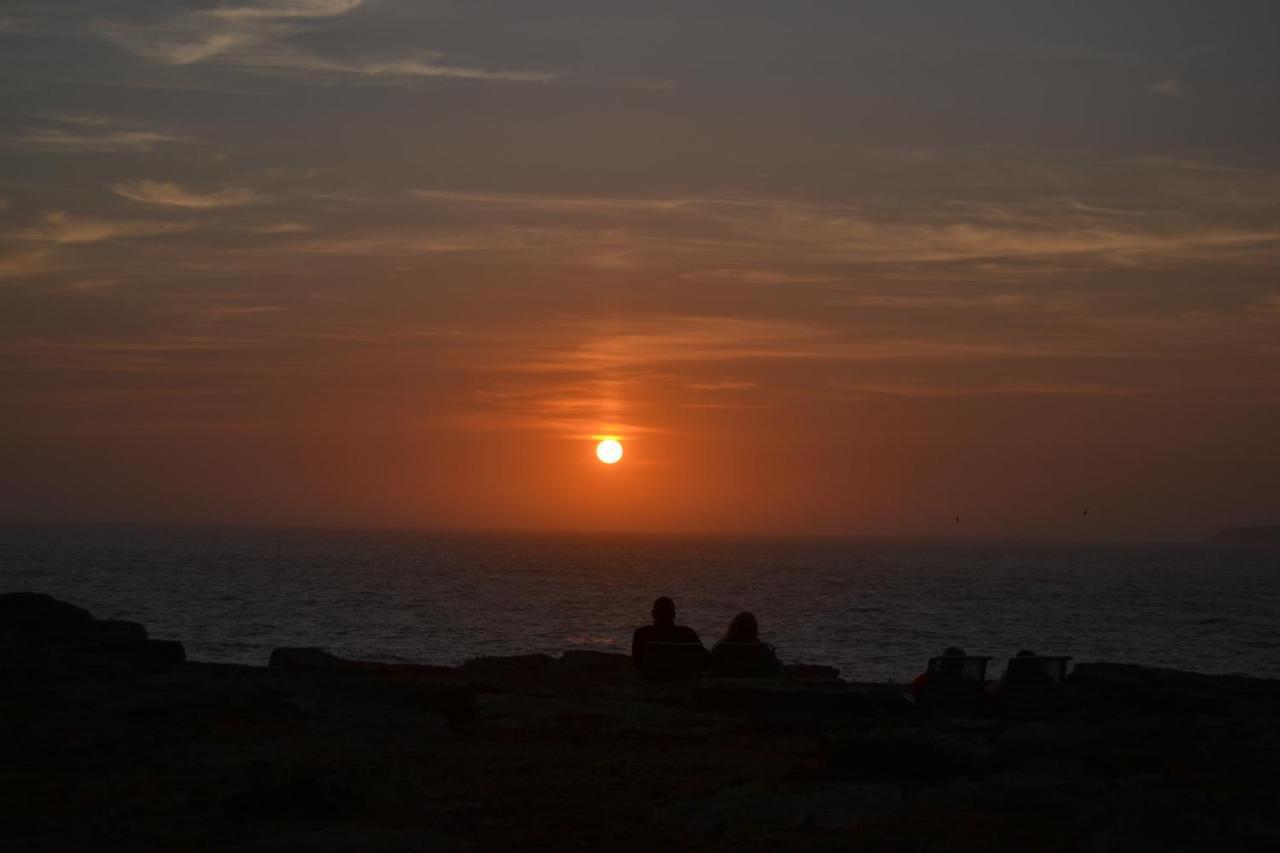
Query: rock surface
x=105, y=748
x=42, y=637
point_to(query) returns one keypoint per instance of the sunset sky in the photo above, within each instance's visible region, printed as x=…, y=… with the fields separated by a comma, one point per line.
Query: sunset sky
x=824, y=267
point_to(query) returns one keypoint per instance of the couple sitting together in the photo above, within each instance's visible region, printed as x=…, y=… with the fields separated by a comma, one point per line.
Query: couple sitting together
x=665, y=651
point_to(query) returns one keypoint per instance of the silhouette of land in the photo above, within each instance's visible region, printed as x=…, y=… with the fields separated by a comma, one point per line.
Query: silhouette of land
x=114, y=741
x=1262, y=534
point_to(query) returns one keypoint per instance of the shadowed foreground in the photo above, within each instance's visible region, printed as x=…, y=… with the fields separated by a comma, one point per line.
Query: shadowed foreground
x=113, y=742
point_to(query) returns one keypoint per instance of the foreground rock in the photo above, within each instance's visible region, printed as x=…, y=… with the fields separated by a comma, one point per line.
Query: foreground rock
x=42, y=637
x=317, y=753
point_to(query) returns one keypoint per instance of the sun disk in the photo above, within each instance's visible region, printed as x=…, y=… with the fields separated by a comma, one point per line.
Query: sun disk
x=609, y=451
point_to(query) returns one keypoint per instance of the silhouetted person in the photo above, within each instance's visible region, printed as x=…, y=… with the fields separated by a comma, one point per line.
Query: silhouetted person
x=741, y=654
x=1028, y=691
x=663, y=630
x=946, y=668
x=1024, y=669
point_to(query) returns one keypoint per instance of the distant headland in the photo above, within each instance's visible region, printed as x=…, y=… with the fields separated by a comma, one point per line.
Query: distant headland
x=1260, y=534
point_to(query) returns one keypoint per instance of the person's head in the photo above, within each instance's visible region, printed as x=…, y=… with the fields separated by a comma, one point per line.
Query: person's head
x=664, y=611
x=743, y=629
x=952, y=660
x=1024, y=661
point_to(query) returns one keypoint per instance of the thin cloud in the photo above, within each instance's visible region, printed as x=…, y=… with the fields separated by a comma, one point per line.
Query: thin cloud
x=728, y=385
x=941, y=302
x=687, y=340
x=275, y=228
x=757, y=276
x=93, y=285
x=230, y=312
x=423, y=66
x=570, y=203
x=1267, y=307
x=22, y=264
x=921, y=390
x=256, y=36
x=169, y=194
x=61, y=227
x=199, y=36
x=1170, y=88
x=814, y=233
x=93, y=134
x=108, y=142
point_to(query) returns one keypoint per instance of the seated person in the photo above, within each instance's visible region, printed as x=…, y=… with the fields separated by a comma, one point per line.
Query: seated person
x=663, y=630
x=741, y=654
x=1024, y=669
x=918, y=685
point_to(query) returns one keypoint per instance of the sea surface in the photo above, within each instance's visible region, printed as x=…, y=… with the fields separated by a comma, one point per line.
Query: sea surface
x=875, y=608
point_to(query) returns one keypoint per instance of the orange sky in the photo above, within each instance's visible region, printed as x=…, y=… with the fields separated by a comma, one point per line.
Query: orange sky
x=845, y=271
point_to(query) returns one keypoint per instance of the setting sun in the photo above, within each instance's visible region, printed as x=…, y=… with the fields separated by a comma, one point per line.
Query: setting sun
x=609, y=451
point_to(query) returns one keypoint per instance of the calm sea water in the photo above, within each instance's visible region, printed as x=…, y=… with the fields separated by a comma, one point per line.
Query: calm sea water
x=874, y=608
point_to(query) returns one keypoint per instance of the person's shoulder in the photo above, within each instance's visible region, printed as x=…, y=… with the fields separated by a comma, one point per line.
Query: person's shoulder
x=686, y=634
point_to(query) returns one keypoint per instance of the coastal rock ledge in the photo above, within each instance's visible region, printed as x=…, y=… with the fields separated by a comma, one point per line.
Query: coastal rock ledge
x=114, y=741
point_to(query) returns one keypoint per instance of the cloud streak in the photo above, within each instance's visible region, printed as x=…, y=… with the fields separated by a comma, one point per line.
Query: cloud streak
x=1038, y=389
x=168, y=194
x=685, y=340
x=63, y=228
x=23, y=264
x=104, y=141
x=815, y=233
x=257, y=36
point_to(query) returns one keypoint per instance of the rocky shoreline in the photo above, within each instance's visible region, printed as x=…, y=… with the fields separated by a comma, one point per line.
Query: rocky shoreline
x=114, y=741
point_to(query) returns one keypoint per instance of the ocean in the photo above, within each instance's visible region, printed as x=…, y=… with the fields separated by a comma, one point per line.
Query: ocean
x=874, y=608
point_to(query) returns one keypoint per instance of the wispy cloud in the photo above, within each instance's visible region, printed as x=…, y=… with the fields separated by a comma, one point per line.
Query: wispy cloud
x=758, y=276
x=94, y=134
x=172, y=195
x=257, y=36
x=1267, y=307
x=727, y=385
x=425, y=65
x=232, y=312
x=93, y=285
x=685, y=340
x=1039, y=230
x=567, y=203
x=62, y=227
x=275, y=228
x=206, y=34
x=57, y=139
x=929, y=390
x=941, y=301
x=1170, y=87
x=20, y=264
